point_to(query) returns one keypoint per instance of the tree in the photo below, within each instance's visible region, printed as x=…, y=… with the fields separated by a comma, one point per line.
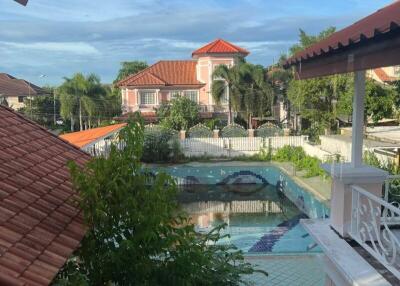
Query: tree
x=316, y=99
x=43, y=109
x=306, y=40
x=128, y=68
x=256, y=93
x=227, y=80
x=180, y=114
x=379, y=101
x=135, y=232
x=245, y=87
x=85, y=99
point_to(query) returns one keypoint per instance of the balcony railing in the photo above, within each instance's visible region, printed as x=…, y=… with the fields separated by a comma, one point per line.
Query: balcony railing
x=372, y=226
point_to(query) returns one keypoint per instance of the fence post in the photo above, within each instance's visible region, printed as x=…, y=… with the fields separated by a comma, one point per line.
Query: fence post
x=286, y=132
x=216, y=133
x=270, y=144
x=182, y=134
x=251, y=133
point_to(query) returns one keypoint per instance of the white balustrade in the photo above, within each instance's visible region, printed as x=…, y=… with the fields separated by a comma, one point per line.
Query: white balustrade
x=372, y=227
x=236, y=146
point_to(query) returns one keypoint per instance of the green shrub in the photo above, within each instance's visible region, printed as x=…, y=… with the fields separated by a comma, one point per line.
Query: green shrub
x=300, y=159
x=161, y=145
x=289, y=154
x=180, y=114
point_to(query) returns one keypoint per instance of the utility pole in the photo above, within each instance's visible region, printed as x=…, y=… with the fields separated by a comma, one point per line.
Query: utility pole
x=54, y=105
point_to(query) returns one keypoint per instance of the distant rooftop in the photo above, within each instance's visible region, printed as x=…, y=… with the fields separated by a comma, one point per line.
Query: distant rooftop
x=86, y=137
x=220, y=46
x=11, y=86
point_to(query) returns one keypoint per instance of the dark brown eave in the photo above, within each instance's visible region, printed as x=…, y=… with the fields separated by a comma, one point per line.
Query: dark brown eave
x=369, y=43
x=381, y=51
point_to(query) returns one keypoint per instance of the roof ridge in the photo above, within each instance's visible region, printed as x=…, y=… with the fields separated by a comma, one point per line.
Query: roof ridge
x=144, y=73
x=157, y=77
x=231, y=48
x=135, y=74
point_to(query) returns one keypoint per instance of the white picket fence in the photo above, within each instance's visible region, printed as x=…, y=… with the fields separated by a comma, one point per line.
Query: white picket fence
x=233, y=147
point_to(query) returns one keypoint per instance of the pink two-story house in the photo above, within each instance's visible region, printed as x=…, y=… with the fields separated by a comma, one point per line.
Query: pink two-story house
x=164, y=80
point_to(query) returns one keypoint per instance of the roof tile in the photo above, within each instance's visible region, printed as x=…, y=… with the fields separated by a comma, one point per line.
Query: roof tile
x=220, y=46
x=167, y=73
x=39, y=226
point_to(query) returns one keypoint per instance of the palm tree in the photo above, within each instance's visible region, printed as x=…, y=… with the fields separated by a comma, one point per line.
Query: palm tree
x=257, y=95
x=248, y=91
x=83, y=98
x=71, y=93
x=226, y=84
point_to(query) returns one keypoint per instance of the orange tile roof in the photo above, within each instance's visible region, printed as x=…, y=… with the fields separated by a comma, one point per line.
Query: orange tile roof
x=220, y=46
x=83, y=138
x=40, y=225
x=165, y=73
x=383, y=76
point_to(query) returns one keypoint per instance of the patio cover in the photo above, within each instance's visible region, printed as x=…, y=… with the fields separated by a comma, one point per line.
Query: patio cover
x=372, y=42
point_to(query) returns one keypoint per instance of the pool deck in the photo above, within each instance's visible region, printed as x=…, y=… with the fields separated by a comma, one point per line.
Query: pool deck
x=318, y=186
x=285, y=270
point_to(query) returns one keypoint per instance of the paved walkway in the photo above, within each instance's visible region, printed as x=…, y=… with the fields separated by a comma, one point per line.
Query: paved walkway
x=284, y=270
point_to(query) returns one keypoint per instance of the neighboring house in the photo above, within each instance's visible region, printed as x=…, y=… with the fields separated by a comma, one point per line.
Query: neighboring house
x=95, y=141
x=13, y=91
x=385, y=75
x=165, y=80
x=40, y=224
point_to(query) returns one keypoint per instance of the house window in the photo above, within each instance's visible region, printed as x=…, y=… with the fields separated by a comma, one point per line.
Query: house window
x=192, y=95
x=174, y=94
x=20, y=99
x=123, y=95
x=147, y=97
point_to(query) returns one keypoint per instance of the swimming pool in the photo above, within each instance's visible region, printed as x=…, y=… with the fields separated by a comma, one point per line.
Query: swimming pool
x=261, y=205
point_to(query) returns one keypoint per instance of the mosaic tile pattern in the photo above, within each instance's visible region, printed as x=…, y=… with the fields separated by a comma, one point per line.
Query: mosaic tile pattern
x=294, y=270
x=239, y=174
x=267, y=242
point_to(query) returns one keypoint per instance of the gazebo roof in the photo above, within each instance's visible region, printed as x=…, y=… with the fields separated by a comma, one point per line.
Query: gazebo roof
x=372, y=42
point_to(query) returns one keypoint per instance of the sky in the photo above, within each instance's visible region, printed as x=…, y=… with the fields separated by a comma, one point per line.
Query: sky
x=51, y=39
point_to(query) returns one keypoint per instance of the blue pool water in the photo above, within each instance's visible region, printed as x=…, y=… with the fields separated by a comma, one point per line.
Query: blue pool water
x=261, y=206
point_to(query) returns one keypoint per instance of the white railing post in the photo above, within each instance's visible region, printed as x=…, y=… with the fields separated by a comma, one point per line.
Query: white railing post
x=358, y=119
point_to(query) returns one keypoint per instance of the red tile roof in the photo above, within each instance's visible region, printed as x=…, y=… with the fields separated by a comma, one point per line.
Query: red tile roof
x=11, y=86
x=83, y=138
x=381, y=22
x=40, y=226
x=220, y=46
x=165, y=73
x=383, y=76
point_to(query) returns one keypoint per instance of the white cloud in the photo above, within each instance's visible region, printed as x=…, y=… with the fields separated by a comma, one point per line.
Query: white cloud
x=78, y=48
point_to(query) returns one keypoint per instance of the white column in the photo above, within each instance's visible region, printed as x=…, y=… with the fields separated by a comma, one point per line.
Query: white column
x=358, y=119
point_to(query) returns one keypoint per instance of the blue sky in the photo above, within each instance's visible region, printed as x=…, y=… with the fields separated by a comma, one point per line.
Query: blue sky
x=60, y=37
